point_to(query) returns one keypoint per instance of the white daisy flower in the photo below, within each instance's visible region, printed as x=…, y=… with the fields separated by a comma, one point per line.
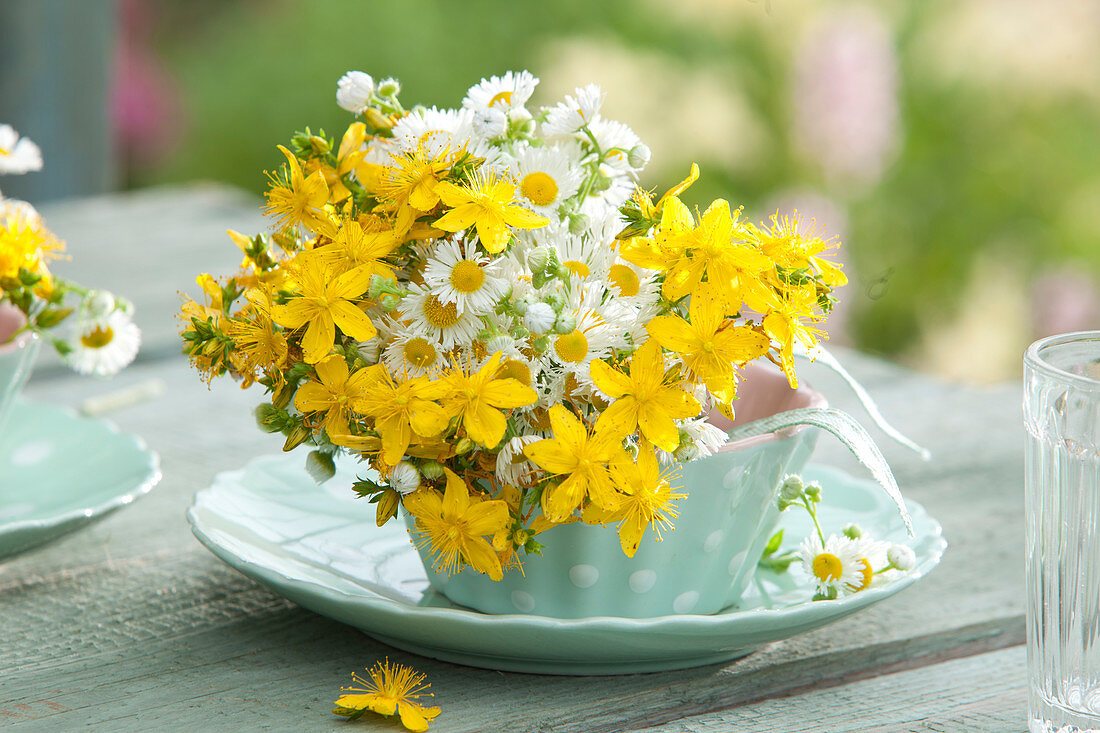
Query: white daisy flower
x=18, y=154
x=354, y=90
x=575, y=112
x=588, y=258
x=441, y=321
x=511, y=464
x=616, y=140
x=455, y=273
x=436, y=130
x=547, y=176
x=404, y=479
x=592, y=337
x=839, y=566
x=412, y=354
x=105, y=346
x=493, y=101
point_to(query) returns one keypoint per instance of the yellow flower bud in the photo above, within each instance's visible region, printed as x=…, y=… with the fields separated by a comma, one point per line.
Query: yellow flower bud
x=387, y=506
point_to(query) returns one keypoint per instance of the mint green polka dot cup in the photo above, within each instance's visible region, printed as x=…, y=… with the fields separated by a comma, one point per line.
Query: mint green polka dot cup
x=17, y=354
x=700, y=567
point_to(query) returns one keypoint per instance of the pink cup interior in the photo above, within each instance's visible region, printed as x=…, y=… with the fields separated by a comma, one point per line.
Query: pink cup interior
x=11, y=320
x=763, y=391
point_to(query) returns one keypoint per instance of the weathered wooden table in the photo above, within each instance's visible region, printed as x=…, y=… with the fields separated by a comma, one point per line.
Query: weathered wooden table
x=132, y=625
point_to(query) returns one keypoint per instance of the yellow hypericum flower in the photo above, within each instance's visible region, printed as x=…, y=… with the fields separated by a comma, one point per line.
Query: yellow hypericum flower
x=353, y=247
x=336, y=392
x=25, y=243
x=648, y=499
x=787, y=246
x=714, y=251
x=324, y=302
x=454, y=526
x=645, y=201
x=478, y=398
x=349, y=158
x=666, y=247
x=295, y=200
x=258, y=345
x=794, y=316
x=644, y=398
x=579, y=456
x=709, y=344
x=411, y=187
x=399, y=411
x=388, y=689
x=486, y=204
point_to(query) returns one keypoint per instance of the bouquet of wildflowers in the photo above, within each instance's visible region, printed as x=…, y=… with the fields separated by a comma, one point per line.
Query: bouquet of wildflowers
x=104, y=339
x=483, y=305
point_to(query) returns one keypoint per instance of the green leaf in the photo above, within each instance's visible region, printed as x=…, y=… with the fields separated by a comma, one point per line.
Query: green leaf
x=773, y=543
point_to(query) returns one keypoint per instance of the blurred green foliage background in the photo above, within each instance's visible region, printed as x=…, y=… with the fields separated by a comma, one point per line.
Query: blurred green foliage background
x=952, y=145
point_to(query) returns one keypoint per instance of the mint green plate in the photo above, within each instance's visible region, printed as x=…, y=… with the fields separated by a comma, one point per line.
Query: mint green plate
x=318, y=546
x=60, y=472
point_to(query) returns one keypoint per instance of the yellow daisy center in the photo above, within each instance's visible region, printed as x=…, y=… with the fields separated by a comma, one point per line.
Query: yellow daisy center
x=625, y=279
x=97, y=338
x=515, y=369
x=571, y=347
x=419, y=352
x=505, y=97
x=467, y=277
x=539, y=188
x=827, y=566
x=577, y=268
x=440, y=315
x=866, y=573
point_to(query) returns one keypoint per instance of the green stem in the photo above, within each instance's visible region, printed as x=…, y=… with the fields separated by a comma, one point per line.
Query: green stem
x=813, y=515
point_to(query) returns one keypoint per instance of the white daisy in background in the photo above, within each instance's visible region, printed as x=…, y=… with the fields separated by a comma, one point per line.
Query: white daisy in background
x=18, y=154
x=436, y=130
x=511, y=464
x=548, y=176
x=105, y=346
x=569, y=116
x=354, y=91
x=440, y=321
x=411, y=353
x=455, y=273
x=494, y=101
x=839, y=567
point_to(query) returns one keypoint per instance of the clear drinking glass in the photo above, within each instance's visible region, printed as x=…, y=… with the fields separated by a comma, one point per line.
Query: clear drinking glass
x=1062, y=489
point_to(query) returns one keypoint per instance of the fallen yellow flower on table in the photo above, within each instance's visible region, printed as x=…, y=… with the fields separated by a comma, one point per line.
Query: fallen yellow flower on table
x=390, y=689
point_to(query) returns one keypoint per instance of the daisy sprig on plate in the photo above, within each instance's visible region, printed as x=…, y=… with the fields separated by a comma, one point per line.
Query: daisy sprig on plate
x=483, y=305
x=92, y=330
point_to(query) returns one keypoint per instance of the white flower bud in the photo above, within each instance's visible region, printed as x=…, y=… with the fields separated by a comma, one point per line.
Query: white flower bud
x=540, y=318
x=566, y=323
x=852, y=531
x=639, y=156
x=99, y=304
x=500, y=342
x=791, y=488
x=389, y=87
x=901, y=557
x=578, y=223
x=537, y=259
x=404, y=478
x=354, y=90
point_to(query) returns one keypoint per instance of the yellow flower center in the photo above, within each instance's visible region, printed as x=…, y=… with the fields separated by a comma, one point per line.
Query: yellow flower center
x=505, y=97
x=439, y=314
x=539, y=188
x=97, y=338
x=827, y=566
x=577, y=268
x=625, y=279
x=708, y=346
x=419, y=352
x=515, y=369
x=467, y=277
x=866, y=572
x=571, y=347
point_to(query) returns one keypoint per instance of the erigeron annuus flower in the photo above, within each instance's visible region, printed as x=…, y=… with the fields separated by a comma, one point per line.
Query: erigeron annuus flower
x=512, y=466
x=354, y=91
x=435, y=131
x=18, y=154
x=575, y=112
x=105, y=346
x=413, y=353
x=442, y=322
x=494, y=101
x=457, y=273
x=547, y=176
x=837, y=567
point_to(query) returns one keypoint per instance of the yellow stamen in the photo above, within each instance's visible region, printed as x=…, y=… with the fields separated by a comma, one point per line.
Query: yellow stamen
x=439, y=314
x=539, y=188
x=577, y=268
x=625, y=279
x=571, y=347
x=418, y=352
x=97, y=338
x=827, y=566
x=515, y=369
x=467, y=277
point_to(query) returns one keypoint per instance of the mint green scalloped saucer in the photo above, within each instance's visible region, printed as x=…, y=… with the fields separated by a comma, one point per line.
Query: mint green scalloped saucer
x=318, y=546
x=60, y=472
